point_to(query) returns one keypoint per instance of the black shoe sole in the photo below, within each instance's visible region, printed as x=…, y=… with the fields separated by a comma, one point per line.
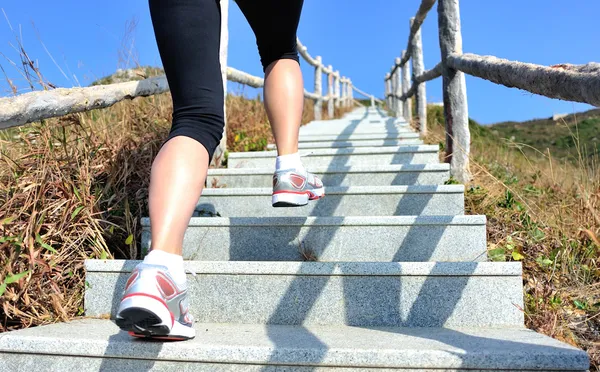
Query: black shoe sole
x=288, y=205
x=141, y=322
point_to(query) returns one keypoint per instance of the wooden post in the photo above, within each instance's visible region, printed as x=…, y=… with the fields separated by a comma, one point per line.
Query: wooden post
x=398, y=91
x=336, y=88
x=418, y=67
x=407, y=109
x=318, y=106
x=330, y=110
x=388, y=87
x=456, y=112
x=220, y=150
x=343, y=92
x=372, y=101
x=350, y=94
x=393, y=100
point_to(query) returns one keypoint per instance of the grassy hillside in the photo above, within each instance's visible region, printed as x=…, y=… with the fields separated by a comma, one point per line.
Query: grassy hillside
x=544, y=213
x=563, y=137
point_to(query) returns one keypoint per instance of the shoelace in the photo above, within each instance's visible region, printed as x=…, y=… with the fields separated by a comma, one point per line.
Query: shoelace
x=191, y=272
x=306, y=154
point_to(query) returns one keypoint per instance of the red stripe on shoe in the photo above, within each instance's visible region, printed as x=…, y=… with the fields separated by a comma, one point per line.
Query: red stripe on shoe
x=165, y=285
x=297, y=181
x=131, y=279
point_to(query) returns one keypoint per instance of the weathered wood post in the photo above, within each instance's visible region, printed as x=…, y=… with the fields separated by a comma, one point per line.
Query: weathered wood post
x=318, y=107
x=350, y=94
x=398, y=90
x=407, y=109
x=372, y=101
x=388, y=88
x=456, y=110
x=344, y=91
x=418, y=67
x=330, y=102
x=393, y=99
x=220, y=150
x=336, y=88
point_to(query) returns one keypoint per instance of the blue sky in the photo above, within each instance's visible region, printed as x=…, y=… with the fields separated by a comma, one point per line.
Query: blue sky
x=361, y=39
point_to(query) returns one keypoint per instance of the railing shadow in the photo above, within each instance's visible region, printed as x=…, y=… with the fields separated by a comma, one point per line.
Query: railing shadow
x=357, y=309
x=318, y=285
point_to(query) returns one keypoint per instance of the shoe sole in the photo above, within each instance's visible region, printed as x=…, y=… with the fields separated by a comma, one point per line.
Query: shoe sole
x=291, y=199
x=139, y=321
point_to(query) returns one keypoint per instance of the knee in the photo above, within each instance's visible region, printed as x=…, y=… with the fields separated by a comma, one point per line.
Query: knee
x=275, y=52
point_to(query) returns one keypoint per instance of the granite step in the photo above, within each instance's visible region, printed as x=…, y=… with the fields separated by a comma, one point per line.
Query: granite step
x=357, y=120
x=409, y=154
x=340, y=144
x=446, y=200
x=358, y=129
x=382, y=175
x=367, y=294
x=356, y=137
x=88, y=345
x=370, y=239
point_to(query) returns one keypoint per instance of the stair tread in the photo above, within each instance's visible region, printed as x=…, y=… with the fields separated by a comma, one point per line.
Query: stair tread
x=341, y=169
x=326, y=268
x=333, y=346
x=335, y=221
x=342, y=151
x=347, y=190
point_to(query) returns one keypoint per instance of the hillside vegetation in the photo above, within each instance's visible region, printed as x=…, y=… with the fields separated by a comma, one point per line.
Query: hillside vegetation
x=564, y=137
x=543, y=209
x=75, y=187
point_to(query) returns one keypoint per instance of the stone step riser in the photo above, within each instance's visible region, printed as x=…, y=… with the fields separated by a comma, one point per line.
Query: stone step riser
x=351, y=201
x=357, y=294
x=356, y=137
x=337, y=132
x=347, y=144
x=399, y=239
x=264, y=177
x=336, y=161
x=335, y=158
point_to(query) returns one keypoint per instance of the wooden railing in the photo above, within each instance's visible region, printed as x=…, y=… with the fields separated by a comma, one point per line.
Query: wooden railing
x=39, y=105
x=340, y=90
x=579, y=83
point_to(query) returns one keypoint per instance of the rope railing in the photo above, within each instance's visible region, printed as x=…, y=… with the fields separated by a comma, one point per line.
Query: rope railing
x=578, y=83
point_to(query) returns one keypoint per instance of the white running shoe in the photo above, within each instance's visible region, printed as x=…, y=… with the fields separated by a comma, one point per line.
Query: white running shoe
x=294, y=189
x=154, y=306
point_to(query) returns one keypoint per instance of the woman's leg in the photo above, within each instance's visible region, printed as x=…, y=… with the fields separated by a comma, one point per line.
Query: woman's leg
x=188, y=38
x=155, y=302
x=274, y=23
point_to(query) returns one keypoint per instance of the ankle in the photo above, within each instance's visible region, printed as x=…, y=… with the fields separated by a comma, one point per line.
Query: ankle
x=173, y=262
x=289, y=161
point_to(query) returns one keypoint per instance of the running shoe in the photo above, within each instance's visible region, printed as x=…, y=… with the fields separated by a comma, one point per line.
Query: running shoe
x=293, y=188
x=155, y=306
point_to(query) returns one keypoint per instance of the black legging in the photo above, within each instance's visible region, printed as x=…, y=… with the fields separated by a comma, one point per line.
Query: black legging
x=188, y=36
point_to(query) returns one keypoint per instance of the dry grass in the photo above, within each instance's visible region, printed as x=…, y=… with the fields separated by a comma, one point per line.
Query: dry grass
x=76, y=187
x=248, y=125
x=547, y=215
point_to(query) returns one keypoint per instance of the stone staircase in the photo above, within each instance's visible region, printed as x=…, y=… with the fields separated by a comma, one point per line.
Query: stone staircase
x=385, y=273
